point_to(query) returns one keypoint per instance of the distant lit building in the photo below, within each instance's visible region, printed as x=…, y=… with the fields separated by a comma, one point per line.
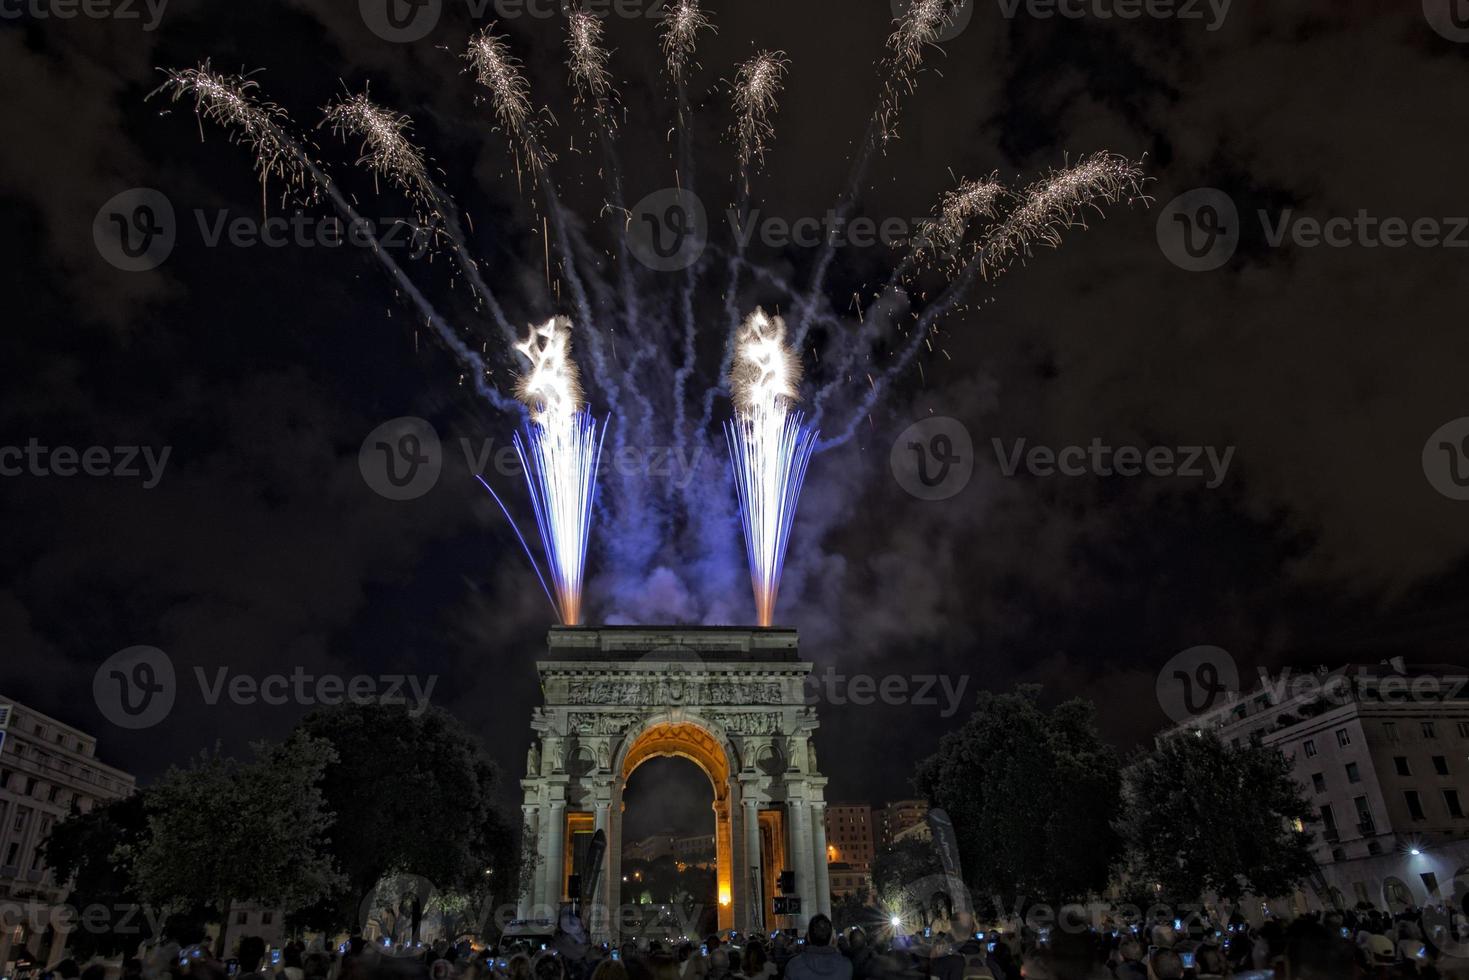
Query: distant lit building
x=899, y=816
x=650, y=848
x=847, y=880
x=46, y=769
x=849, y=836
x=1382, y=754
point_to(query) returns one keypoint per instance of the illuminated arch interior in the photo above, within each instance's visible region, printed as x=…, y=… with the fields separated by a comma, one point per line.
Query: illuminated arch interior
x=692, y=742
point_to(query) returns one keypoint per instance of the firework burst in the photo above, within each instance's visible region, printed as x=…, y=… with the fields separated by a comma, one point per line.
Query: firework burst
x=683, y=20
x=757, y=89
x=501, y=74
x=770, y=448
x=641, y=332
x=386, y=147
x=559, y=451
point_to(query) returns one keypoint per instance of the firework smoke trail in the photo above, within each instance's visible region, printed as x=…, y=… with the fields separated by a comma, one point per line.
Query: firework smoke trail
x=683, y=21
x=1051, y=205
x=757, y=87
x=502, y=75
x=229, y=101
x=388, y=152
x=770, y=449
x=914, y=33
x=680, y=531
x=560, y=451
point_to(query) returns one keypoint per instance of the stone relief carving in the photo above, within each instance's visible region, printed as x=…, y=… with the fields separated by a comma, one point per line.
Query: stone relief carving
x=673, y=690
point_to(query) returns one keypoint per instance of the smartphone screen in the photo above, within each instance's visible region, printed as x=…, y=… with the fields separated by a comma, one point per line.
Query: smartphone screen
x=1187, y=957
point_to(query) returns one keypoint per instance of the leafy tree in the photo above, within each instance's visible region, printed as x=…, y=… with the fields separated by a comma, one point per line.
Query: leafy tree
x=1033, y=795
x=1201, y=816
x=895, y=869
x=854, y=909
x=92, y=853
x=409, y=793
x=221, y=831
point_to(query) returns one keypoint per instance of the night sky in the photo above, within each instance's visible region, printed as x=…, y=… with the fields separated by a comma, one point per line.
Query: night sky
x=263, y=550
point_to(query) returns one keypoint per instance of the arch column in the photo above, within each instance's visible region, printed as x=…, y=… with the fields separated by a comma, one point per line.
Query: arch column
x=823, y=873
x=800, y=812
x=531, y=830
x=555, y=855
x=750, y=870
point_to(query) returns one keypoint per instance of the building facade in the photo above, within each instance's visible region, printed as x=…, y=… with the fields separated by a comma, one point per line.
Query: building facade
x=848, y=880
x=1382, y=754
x=47, y=768
x=898, y=816
x=849, y=836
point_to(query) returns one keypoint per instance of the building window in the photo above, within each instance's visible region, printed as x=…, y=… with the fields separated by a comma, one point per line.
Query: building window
x=1343, y=737
x=1415, y=806
x=1318, y=782
x=266, y=918
x=1441, y=765
x=1428, y=729
x=1400, y=763
x=12, y=855
x=1354, y=775
x=242, y=918
x=1373, y=848
x=1451, y=800
x=1328, y=819
x=1337, y=854
x=1310, y=748
x=1464, y=729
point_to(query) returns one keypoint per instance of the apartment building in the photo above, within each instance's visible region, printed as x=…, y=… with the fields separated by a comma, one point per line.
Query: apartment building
x=1382, y=754
x=46, y=769
x=849, y=838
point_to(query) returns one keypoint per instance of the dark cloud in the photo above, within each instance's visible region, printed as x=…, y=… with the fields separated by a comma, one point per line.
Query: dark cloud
x=263, y=549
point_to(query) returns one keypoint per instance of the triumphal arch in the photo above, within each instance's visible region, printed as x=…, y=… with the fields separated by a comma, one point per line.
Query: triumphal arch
x=731, y=700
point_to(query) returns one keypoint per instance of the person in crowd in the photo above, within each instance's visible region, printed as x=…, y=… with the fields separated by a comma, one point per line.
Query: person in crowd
x=820, y=960
x=754, y=965
x=251, y=954
x=1166, y=964
x=1129, y=964
x=610, y=969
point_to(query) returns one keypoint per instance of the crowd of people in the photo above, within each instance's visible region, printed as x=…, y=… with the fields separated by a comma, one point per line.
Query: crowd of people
x=1354, y=945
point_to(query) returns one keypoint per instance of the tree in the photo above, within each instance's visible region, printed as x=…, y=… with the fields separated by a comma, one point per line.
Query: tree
x=899, y=866
x=221, y=831
x=92, y=853
x=1204, y=817
x=1033, y=795
x=411, y=793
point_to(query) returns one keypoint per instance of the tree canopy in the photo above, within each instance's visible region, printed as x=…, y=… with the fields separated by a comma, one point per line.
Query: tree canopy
x=1206, y=817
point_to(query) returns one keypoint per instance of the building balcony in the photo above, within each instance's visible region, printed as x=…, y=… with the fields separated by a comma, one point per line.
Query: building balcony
x=1331, y=835
x=1367, y=828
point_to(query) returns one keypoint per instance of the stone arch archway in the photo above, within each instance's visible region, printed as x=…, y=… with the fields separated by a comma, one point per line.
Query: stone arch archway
x=699, y=741
x=732, y=701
